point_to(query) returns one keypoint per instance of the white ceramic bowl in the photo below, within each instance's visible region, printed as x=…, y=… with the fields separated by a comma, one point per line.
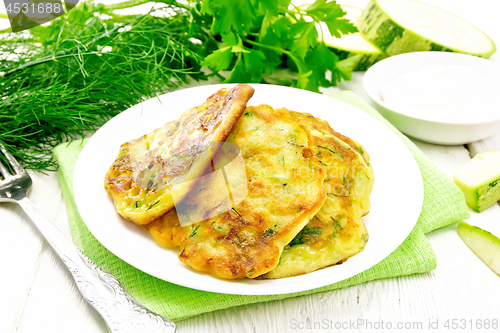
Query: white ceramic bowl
x=448, y=131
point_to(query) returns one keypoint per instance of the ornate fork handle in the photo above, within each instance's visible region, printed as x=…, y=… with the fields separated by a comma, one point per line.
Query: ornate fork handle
x=102, y=290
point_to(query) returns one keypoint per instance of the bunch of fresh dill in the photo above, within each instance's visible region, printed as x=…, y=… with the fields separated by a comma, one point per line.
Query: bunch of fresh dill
x=61, y=80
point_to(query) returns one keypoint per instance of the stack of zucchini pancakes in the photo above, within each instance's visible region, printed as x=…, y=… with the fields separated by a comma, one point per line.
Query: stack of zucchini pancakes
x=288, y=201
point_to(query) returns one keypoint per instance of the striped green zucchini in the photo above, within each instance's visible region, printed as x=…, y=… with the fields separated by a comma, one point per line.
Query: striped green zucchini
x=400, y=26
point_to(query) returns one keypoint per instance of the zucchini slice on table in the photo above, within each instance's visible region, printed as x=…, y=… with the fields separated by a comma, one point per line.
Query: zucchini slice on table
x=484, y=244
x=352, y=44
x=399, y=26
x=479, y=180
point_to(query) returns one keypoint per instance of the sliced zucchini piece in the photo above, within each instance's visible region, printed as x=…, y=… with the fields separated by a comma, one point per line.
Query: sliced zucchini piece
x=479, y=180
x=400, y=26
x=484, y=244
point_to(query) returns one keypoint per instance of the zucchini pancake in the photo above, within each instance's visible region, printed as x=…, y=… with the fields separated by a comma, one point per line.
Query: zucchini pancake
x=285, y=191
x=337, y=231
x=296, y=207
x=152, y=171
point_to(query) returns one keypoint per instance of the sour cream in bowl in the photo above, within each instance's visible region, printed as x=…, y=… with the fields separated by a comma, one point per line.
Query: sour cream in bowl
x=438, y=97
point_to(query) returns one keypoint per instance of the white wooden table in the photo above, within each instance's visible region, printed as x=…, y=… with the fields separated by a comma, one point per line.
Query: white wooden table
x=37, y=294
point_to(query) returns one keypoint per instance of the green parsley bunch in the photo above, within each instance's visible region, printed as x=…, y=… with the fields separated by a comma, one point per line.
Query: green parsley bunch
x=259, y=36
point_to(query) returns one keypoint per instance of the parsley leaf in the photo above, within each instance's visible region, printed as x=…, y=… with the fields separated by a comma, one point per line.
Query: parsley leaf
x=220, y=59
x=305, y=38
x=230, y=15
x=340, y=26
x=343, y=69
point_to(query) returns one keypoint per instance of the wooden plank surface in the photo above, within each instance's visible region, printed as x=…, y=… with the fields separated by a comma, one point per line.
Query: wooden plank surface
x=38, y=295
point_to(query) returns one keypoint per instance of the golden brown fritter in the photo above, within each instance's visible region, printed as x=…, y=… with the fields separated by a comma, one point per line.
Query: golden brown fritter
x=151, y=172
x=337, y=231
x=321, y=131
x=285, y=191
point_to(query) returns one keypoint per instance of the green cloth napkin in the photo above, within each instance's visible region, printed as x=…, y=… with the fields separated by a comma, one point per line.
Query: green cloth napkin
x=444, y=204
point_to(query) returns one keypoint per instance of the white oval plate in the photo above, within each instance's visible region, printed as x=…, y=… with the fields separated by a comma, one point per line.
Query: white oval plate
x=396, y=198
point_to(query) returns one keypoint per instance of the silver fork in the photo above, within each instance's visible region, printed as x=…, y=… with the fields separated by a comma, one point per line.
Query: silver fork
x=99, y=288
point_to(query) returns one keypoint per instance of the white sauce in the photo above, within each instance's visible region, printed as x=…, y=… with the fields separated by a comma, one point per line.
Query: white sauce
x=457, y=94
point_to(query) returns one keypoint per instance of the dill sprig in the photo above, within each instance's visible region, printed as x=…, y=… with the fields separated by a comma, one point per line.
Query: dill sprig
x=60, y=81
